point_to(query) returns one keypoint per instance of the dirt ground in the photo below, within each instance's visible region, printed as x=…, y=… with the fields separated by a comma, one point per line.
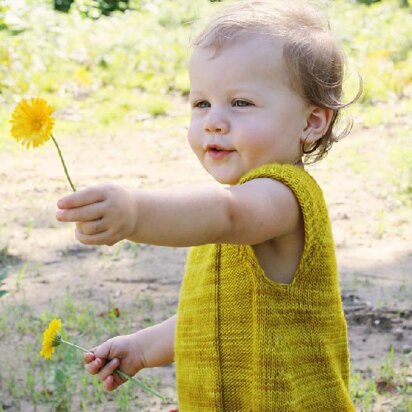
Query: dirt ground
x=373, y=234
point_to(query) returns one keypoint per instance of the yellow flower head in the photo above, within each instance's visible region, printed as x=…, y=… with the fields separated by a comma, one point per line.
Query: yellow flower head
x=32, y=123
x=51, y=338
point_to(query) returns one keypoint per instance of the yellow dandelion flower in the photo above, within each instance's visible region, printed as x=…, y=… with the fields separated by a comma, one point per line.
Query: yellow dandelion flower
x=32, y=123
x=51, y=338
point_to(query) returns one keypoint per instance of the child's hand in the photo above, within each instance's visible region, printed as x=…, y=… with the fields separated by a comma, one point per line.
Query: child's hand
x=120, y=352
x=104, y=214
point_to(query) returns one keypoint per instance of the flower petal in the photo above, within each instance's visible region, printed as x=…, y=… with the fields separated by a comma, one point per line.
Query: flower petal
x=32, y=123
x=49, y=338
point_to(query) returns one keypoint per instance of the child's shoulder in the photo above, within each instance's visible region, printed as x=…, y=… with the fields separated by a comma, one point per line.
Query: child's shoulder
x=294, y=177
x=299, y=184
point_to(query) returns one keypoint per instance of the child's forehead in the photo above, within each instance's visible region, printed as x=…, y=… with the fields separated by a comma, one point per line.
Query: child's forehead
x=252, y=54
x=245, y=42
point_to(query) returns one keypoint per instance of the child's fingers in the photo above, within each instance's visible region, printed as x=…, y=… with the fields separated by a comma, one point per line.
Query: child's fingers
x=82, y=214
x=104, y=350
x=109, y=384
x=82, y=198
x=101, y=238
x=94, y=366
x=89, y=357
x=108, y=369
x=113, y=381
x=92, y=228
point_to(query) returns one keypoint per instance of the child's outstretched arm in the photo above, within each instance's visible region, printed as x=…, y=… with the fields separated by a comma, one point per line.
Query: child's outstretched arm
x=250, y=213
x=147, y=348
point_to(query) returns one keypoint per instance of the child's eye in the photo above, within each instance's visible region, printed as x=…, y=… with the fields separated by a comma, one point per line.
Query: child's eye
x=241, y=103
x=203, y=104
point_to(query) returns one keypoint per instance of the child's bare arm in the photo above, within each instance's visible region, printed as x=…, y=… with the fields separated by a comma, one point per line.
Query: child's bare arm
x=250, y=213
x=146, y=348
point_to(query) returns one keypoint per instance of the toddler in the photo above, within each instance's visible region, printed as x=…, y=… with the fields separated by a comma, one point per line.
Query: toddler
x=260, y=325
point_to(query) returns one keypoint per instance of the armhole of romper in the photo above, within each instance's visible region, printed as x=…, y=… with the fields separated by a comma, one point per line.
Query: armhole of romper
x=266, y=171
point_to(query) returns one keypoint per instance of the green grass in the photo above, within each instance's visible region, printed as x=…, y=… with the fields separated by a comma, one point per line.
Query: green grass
x=62, y=383
x=389, y=390
x=401, y=169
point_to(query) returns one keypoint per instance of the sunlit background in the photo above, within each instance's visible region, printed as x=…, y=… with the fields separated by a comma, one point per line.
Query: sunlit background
x=116, y=74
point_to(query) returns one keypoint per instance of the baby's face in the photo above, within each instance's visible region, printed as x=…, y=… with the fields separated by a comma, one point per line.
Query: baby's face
x=244, y=112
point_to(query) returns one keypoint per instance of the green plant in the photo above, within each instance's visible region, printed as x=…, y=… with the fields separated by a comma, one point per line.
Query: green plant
x=363, y=391
x=3, y=274
x=93, y=8
x=388, y=366
x=20, y=275
x=63, y=381
x=3, y=24
x=157, y=106
x=62, y=5
x=401, y=159
x=368, y=2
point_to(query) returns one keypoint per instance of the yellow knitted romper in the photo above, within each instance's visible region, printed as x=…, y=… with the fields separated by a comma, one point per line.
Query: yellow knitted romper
x=246, y=343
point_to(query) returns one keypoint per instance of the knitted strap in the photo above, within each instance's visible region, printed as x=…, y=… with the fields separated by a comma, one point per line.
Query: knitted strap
x=311, y=202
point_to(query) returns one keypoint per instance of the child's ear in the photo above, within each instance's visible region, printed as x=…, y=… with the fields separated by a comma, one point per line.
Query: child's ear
x=317, y=124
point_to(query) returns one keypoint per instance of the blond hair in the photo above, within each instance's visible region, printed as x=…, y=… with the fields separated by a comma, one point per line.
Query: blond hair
x=313, y=56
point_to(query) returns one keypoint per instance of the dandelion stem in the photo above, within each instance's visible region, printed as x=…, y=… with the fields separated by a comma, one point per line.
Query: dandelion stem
x=140, y=383
x=74, y=345
x=121, y=373
x=63, y=163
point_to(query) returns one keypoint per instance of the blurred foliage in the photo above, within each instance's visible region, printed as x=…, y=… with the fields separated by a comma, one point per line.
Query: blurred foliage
x=62, y=5
x=80, y=64
x=98, y=8
x=401, y=158
x=403, y=3
x=107, y=69
x=368, y=1
x=3, y=275
x=95, y=8
x=379, y=46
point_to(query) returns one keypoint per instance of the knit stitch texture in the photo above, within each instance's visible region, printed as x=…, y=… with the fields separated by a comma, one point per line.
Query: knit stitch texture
x=247, y=343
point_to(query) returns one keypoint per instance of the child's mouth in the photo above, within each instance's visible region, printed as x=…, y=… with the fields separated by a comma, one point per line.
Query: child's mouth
x=218, y=153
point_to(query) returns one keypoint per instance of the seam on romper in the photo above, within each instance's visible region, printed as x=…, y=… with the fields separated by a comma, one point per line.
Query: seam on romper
x=220, y=404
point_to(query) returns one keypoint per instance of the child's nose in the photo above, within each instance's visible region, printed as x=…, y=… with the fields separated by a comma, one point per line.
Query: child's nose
x=216, y=123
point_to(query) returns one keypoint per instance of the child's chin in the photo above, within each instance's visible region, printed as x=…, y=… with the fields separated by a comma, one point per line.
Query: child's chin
x=225, y=180
x=224, y=177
